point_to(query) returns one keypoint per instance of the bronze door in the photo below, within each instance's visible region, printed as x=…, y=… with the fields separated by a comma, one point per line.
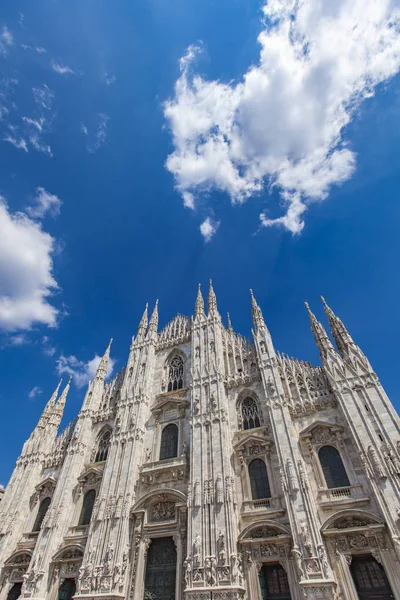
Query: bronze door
x=160, y=570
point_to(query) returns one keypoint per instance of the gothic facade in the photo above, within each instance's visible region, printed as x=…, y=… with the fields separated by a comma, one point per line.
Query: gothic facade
x=211, y=468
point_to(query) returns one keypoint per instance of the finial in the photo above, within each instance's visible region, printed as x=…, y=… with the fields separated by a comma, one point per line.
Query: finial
x=229, y=323
x=61, y=402
x=199, y=305
x=103, y=365
x=154, y=319
x=212, y=301
x=143, y=322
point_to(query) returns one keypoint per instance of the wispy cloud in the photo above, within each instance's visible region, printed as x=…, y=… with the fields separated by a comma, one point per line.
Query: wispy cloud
x=100, y=137
x=6, y=40
x=43, y=96
x=44, y=203
x=283, y=125
x=208, y=228
x=81, y=371
x=26, y=272
x=108, y=79
x=84, y=129
x=48, y=348
x=18, y=143
x=62, y=69
x=36, y=391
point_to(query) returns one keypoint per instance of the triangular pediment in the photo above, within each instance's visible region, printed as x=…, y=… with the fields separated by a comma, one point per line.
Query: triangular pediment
x=251, y=438
x=174, y=399
x=91, y=473
x=48, y=483
x=307, y=432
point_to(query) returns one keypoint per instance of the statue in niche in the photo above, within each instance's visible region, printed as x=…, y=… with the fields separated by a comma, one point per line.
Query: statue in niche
x=197, y=549
x=221, y=549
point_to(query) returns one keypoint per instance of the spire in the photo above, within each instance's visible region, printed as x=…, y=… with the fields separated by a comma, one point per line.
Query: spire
x=143, y=323
x=48, y=409
x=61, y=402
x=258, y=319
x=212, y=301
x=103, y=366
x=230, y=328
x=340, y=334
x=199, y=306
x=321, y=337
x=53, y=398
x=153, y=326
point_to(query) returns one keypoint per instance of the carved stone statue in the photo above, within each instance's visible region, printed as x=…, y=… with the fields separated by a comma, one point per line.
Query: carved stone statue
x=197, y=549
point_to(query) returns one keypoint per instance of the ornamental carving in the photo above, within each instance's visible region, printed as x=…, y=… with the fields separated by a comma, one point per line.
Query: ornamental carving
x=162, y=511
x=265, y=532
x=348, y=522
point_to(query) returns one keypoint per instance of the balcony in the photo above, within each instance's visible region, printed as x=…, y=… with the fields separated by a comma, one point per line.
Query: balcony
x=28, y=540
x=343, y=496
x=171, y=469
x=264, y=506
x=77, y=534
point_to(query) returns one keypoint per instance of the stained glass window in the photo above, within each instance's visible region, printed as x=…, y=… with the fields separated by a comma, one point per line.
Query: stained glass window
x=44, y=505
x=250, y=413
x=87, y=507
x=274, y=583
x=333, y=467
x=175, y=375
x=259, y=479
x=169, y=442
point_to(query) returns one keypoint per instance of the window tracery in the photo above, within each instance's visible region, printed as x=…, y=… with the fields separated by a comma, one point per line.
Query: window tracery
x=249, y=414
x=175, y=373
x=103, y=446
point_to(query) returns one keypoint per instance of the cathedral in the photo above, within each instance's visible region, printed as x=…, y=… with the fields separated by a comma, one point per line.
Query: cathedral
x=211, y=467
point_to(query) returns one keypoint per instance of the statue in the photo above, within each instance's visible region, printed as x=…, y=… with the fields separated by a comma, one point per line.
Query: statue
x=197, y=549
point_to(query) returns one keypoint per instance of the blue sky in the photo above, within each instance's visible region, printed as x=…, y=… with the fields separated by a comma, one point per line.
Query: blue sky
x=148, y=146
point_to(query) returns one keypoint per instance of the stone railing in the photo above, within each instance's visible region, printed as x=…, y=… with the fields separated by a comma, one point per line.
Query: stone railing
x=347, y=494
x=170, y=469
x=263, y=504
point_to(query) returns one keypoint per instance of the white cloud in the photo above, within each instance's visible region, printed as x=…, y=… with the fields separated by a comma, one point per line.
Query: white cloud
x=26, y=279
x=35, y=392
x=62, y=69
x=108, y=79
x=283, y=125
x=40, y=50
x=18, y=143
x=48, y=349
x=84, y=129
x=44, y=203
x=6, y=40
x=17, y=340
x=208, y=228
x=81, y=371
x=43, y=96
x=101, y=133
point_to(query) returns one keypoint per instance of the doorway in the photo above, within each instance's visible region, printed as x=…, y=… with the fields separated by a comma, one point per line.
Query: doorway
x=15, y=591
x=160, y=570
x=66, y=589
x=274, y=583
x=370, y=579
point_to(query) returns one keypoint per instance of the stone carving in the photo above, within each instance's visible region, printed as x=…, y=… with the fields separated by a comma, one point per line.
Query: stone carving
x=197, y=550
x=162, y=511
x=323, y=560
x=293, y=485
x=221, y=549
x=197, y=493
x=376, y=463
x=187, y=566
x=305, y=536
x=298, y=561
x=208, y=491
x=264, y=532
x=219, y=492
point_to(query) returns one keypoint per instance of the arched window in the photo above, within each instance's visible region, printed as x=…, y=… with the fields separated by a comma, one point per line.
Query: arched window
x=169, y=442
x=43, y=507
x=102, y=449
x=87, y=507
x=175, y=374
x=250, y=413
x=259, y=479
x=333, y=467
x=15, y=591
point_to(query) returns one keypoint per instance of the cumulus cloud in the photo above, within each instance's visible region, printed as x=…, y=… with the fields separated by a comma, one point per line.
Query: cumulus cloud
x=80, y=370
x=62, y=69
x=6, y=40
x=35, y=392
x=26, y=272
x=208, y=228
x=283, y=125
x=44, y=203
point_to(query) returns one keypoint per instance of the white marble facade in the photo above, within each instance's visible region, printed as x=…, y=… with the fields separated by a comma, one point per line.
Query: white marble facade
x=211, y=468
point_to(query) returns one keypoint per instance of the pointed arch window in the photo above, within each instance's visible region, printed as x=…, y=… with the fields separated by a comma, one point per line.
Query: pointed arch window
x=169, y=442
x=102, y=449
x=250, y=413
x=333, y=467
x=43, y=508
x=87, y=507
x=175, y=373
x=259, y=479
